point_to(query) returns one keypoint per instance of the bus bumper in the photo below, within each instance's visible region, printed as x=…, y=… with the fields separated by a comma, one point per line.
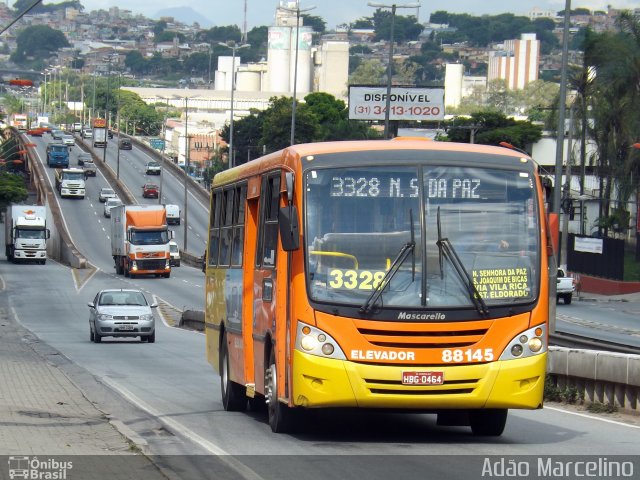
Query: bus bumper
x=321, y=382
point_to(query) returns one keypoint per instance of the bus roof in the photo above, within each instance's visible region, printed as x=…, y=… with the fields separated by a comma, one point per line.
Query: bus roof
x=292, y=155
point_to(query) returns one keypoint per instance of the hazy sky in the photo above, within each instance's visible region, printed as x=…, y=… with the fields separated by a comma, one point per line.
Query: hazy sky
x=335, y=12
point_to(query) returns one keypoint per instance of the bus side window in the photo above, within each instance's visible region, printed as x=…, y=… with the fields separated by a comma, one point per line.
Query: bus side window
x=269, y=228
x=214, y=233
x=238, y=225
x=226, y=231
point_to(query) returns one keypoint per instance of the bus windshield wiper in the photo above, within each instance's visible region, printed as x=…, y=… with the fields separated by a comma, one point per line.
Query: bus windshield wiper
x=404, y=252
x=446, y=250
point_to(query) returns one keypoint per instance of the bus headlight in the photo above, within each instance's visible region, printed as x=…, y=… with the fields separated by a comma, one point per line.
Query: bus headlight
x=526, y=344
x=314, y=341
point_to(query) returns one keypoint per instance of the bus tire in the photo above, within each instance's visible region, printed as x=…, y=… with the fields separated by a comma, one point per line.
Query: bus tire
x=280, y=415
x=488, y=422
x=233, y=398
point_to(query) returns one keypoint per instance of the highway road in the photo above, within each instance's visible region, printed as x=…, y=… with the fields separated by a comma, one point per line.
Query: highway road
x=171, y=383
x=90, y=229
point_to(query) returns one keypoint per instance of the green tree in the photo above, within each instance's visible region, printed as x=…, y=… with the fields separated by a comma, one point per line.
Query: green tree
x=405, y=28
x=159, y=27
x=38, y=42
x=491, y=128
x=614, y=99
x=12, y=189
x=247, y=137
x=316, y=23
x=369, y=72
x=169, y=36
x=135, y=62
x=362, y=23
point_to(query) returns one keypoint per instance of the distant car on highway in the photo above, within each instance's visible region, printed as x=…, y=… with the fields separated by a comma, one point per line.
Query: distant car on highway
x=57, y=134
x=84, y=157
x=68, y=139
x=36, y=132
x=121, y=313
x=174, y=252
x=153, y=168
x=86, y=133
x=125, y=144
x=106, y=192
x=150, y=190
x=89, y=168
x=109, y=204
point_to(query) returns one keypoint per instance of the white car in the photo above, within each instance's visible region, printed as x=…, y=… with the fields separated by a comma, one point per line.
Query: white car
x=174, y=252
x=68, y=140
x=109, y=307
x=86, y=133
x=105, y=193
x=173, y=214
x=109, y=204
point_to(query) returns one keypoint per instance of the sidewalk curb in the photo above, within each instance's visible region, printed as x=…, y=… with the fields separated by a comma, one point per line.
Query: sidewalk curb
x=130, y=435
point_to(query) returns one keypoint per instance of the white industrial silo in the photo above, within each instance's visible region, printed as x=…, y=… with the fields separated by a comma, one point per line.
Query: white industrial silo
x=279, y=59
x=303, y=84
x=248, y=81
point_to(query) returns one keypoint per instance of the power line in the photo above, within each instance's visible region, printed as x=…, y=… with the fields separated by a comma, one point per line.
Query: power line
x=20, y=16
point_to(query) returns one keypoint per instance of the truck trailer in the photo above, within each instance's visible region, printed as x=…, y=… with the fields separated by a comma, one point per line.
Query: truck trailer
x=99, y=126
x=26, y=233
x=140, y=240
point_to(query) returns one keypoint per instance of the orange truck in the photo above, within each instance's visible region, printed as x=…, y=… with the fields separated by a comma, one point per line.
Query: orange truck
x=140, y=240
x=99, y=126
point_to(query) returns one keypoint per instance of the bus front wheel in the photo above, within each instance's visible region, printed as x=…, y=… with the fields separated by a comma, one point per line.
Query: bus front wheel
x=488, y=422
x=280, y=415
x=233, y=398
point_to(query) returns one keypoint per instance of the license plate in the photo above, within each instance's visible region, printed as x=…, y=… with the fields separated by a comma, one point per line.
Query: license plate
x=127, y=327
x=422, y=378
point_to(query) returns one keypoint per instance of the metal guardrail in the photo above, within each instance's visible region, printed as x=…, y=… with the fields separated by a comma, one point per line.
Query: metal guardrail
x=569, y=340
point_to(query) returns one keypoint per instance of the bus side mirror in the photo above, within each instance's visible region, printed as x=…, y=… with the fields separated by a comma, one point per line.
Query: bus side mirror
x=288, y=176
x=289, y=228
x=48, y=234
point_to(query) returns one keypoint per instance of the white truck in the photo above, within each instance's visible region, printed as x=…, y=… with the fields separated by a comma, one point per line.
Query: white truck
x=140, y=240
x=26, y=233
x=70, y=182
x=565, y=287
x=99, y=133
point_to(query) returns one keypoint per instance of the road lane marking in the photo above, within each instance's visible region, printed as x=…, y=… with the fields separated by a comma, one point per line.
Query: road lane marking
x=244, y=471
x=592, y=417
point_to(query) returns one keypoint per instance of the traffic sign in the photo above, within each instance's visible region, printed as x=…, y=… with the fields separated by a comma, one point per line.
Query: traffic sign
x=157, y=143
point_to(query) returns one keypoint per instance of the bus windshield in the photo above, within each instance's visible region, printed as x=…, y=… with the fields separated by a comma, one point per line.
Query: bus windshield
x=359, y=221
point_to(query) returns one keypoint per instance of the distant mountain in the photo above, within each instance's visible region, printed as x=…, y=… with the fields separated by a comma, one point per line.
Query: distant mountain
x=186, y=15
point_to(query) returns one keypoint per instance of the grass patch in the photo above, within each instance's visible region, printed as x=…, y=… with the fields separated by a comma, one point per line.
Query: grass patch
x=569, y=394
x=631, y=267
x=598, y=407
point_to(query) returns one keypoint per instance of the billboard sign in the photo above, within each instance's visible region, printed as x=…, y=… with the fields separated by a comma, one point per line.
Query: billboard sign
x=407, y=103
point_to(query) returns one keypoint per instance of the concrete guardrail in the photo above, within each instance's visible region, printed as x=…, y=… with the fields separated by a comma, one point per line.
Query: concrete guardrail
x=60, y=246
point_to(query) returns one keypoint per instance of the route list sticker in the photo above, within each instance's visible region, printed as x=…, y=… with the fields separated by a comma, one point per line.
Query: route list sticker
x=496, y=283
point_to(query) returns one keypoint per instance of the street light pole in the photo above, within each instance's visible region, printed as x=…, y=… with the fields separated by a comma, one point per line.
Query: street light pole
x=393, y=8
x=294, y=101
x=186, y=169
x=562, y=105
x=233, y=46
x=164, y=144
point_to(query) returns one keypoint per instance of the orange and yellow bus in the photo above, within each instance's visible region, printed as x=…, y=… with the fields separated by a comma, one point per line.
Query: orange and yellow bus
x=399, y=274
